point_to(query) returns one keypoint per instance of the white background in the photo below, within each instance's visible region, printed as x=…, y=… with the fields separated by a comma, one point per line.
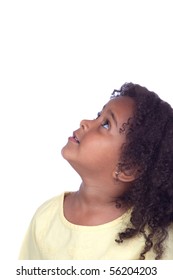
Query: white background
x=59, y=63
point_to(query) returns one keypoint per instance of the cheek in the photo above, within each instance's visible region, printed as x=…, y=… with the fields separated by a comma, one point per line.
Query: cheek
x=94, y=153
x=100, y=152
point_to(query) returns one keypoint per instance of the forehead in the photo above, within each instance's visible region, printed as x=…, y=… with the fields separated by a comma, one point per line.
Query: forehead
x=122, y=107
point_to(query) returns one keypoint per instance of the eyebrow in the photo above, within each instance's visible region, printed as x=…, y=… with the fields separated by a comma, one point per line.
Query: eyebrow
x=112, y=115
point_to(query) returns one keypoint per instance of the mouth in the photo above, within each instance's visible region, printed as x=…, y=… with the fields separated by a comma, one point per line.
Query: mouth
x=76, y=138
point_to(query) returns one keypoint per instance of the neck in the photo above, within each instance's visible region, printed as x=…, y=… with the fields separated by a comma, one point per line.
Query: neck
x=91, y=205
x=94, y=196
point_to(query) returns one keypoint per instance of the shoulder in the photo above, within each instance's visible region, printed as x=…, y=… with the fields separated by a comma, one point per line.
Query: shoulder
x=170, y=235
x=48, y=210
x=169, y=244
x=51, y=204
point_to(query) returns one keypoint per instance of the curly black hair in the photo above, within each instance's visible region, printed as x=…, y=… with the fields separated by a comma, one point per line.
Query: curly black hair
x=149, y=150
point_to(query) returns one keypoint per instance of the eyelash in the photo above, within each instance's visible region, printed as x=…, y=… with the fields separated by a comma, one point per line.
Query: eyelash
x=98, y=115
x=106, y=122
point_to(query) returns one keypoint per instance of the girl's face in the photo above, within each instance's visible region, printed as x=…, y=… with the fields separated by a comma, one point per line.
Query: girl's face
x=95, y=148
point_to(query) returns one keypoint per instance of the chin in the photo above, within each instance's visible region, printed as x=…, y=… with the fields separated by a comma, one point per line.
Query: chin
x=64, y=153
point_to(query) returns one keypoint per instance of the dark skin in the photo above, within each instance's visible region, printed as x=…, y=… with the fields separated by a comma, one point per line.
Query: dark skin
x=95, y=156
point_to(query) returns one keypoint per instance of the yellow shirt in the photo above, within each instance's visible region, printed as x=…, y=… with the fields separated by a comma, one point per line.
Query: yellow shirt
x=51, y=237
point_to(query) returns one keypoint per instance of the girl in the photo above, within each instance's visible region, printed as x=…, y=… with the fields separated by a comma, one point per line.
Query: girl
x=124, y=206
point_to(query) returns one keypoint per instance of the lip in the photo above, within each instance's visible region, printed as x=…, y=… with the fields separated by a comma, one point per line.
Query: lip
x=74, y=138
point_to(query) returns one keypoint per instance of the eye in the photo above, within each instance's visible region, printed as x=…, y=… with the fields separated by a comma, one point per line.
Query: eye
x=98, y=115
x=106, y=124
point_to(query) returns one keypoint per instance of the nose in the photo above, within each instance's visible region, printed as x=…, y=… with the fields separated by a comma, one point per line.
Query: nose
x=85, y=124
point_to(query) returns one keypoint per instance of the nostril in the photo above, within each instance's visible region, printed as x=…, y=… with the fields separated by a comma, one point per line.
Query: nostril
x=83, y=124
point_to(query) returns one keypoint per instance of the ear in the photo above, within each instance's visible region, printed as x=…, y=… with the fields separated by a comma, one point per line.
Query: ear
x=126, y=175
